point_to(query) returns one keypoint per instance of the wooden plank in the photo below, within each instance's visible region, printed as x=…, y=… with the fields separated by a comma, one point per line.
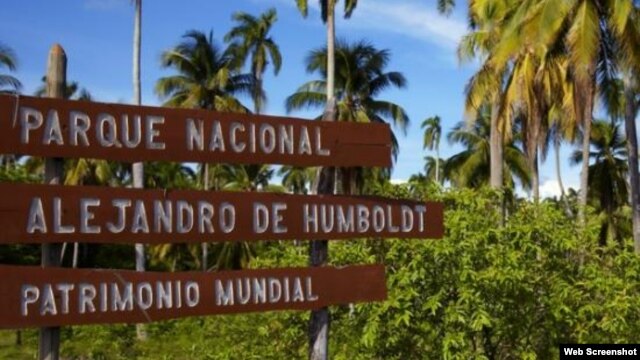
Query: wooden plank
x=50, y=213
x=65, y=128
x=33, y=296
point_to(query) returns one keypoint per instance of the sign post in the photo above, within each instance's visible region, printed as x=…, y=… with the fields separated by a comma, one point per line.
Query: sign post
x=51, y=214
x=49, y=344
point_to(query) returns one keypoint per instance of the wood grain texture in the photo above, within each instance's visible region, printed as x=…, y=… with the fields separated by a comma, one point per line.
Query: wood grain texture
x=349, y=144
x=385, y=216
x=20, y=307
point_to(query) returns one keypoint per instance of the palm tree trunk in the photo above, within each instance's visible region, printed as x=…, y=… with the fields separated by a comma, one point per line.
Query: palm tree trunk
x=535, y=177
x=495, y=144
x=319, y=249
x=331, y=49
x=437, y=164
x=563, y=196
x=587, y=118
x=631, y=111
x=204, y=247
x=532, y=156
x=137, y=169
x=257, y=96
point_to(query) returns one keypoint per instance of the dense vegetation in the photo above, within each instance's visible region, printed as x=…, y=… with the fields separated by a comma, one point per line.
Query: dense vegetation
x=481, y=292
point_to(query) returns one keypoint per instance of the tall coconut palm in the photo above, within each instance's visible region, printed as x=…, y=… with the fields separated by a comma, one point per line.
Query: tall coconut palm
x=360, y=80
x=471, y=167
x=205, y=80
x=608, y=187
x=631, y=112
x=630, y=65
x=432, y=133
x=137, y=168
x=251, y=39
x=318, y=251
x=327, y=12
x=535, y=88
x=8, y=83
x=487, y=20
x=584, y=28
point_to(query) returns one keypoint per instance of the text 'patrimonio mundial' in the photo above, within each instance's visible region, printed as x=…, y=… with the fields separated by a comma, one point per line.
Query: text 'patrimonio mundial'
x=51, y=299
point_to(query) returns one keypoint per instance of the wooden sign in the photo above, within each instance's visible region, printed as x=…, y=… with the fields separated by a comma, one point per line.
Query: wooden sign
x=64, y=128
x=48, y=213
x=34, y=296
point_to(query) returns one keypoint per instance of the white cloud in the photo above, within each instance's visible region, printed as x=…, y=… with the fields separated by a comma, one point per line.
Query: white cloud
x=418, y=20
x=406, y=17
x=398, y=181
x=551, y=188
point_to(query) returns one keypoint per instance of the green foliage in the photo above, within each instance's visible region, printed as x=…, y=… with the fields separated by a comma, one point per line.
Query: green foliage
x=8, y=83
x=481, y=292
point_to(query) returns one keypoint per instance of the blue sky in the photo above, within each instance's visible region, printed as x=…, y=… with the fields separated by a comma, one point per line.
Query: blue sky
x=97, y=37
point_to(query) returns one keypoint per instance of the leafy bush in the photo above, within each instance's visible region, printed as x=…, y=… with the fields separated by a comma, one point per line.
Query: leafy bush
x=484, y=291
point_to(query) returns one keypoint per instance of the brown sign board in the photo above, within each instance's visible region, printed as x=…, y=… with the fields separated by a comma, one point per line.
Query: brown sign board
x=51, y=213
x=34, y=296
x=64, y=128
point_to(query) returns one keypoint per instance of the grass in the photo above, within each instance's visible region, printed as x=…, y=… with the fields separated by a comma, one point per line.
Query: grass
x=27, y=350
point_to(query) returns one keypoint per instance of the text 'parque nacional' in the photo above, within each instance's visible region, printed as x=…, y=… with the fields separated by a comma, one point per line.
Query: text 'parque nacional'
x=32, y=296
x=37, y=213
x=63, y=128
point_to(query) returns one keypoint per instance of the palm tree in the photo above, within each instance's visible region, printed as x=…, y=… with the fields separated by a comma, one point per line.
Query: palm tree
x=630, y=114
x=205, y=80
x=608, y=188
x=360, y=79
x=297, y=179
x=325, y=184
x=8, y=83
x=248, y=178
x=434, y=169
x=168, y=175
x=536, y=89
x=251, y=39
x=327, y=12
x=586, y=29
x=487, y=22
x=471, y=167
x=432, y=134
x=137, y=168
